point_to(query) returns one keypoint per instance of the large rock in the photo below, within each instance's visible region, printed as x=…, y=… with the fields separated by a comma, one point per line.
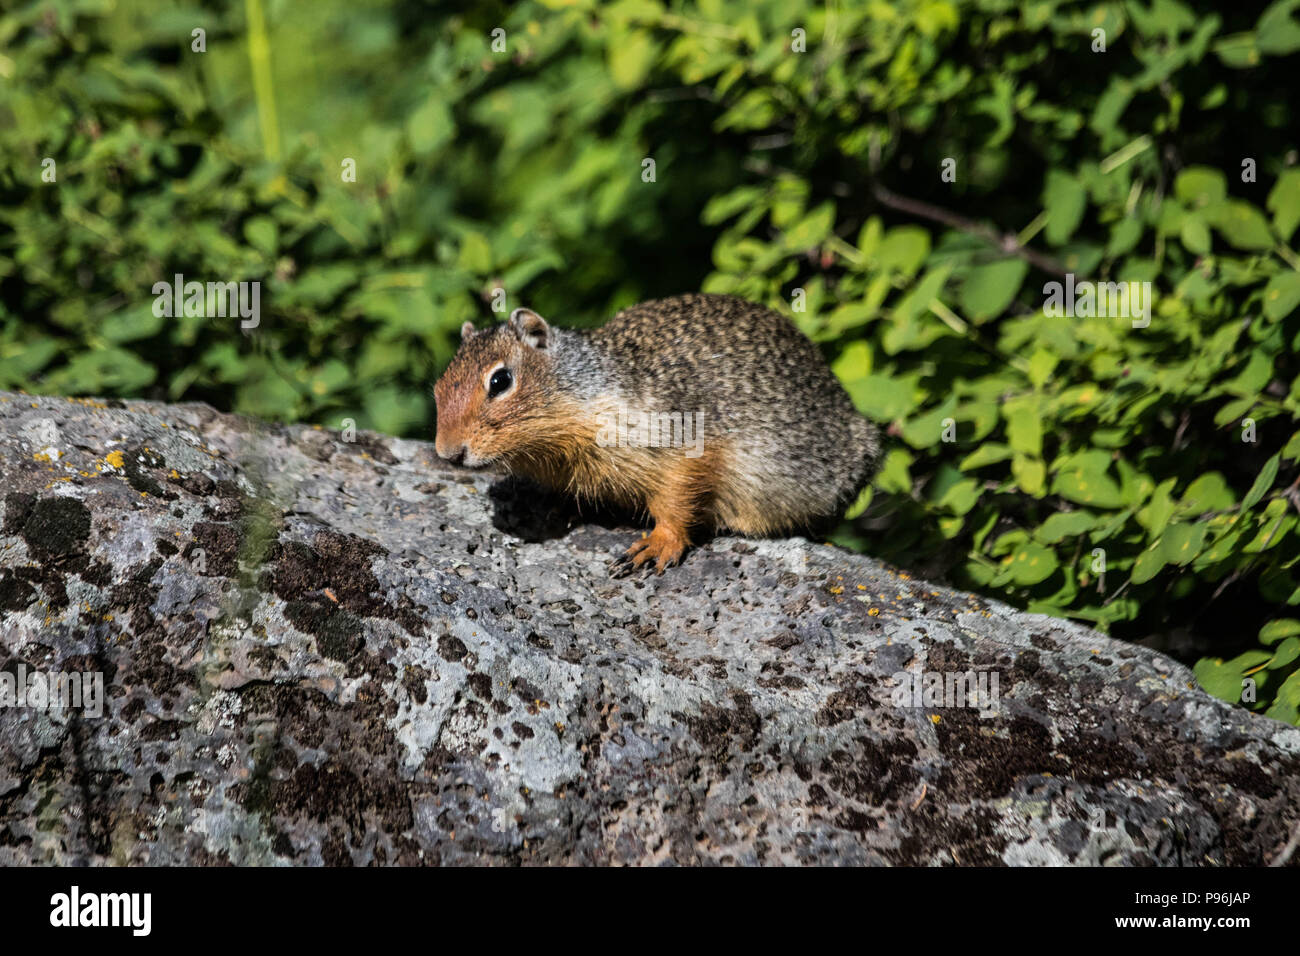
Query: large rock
x=319, y=651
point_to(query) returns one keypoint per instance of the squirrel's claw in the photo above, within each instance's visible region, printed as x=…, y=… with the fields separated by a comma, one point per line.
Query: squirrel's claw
x=633, y=559
x=659, y=552
x=621, y=566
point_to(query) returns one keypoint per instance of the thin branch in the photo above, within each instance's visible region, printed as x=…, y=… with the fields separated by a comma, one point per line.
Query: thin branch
x=1006, y=242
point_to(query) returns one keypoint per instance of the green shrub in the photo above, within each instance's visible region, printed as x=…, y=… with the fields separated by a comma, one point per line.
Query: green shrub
x=1140, y=478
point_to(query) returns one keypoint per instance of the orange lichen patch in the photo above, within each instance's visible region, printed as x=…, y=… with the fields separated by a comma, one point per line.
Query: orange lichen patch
x=113, y=459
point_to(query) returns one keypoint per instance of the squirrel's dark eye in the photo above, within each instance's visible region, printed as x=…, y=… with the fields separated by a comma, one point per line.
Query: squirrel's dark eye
x=501, y=380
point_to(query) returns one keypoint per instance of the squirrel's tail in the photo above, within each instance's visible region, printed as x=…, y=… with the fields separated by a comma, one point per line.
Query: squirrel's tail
x=859, y=459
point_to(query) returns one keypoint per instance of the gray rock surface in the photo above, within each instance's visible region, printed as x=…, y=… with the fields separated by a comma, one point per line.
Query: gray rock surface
x=318, y=651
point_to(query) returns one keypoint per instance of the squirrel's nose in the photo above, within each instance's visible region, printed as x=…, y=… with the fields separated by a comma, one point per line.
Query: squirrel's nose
x=456, y=456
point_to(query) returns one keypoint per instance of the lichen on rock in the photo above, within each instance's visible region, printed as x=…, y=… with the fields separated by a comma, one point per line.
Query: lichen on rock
x=326, y=652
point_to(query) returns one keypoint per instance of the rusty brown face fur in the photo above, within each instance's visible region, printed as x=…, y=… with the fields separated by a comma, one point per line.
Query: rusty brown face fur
x=493, y=398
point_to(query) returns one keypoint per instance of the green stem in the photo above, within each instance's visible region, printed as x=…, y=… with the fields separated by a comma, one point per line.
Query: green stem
x=259, y=53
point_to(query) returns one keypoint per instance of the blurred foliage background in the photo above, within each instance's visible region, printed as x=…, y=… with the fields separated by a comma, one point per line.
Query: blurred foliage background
x=1143, y=480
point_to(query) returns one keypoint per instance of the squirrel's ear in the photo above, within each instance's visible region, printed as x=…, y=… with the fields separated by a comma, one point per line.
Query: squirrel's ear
x=530, y=328
x=466, y=330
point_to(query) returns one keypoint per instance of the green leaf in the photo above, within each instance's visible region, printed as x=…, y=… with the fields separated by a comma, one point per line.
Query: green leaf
x=1111, y=105
x=1041, y=365
x=1279, y=628
x=1032, y=563
x=1239, y=50
x=1252, y=379
x=987, y=454
x=989, y=289
x=1182, y=542
x=927, y=430
x=812, y=229
x=894, y=476
x=754, y=110
x=960, y=498
x=883, y=397
x=1158, y=510
x=16, y=369
x=1092, y=488
x=630, y=58
x=132, y=325
x=1065, y=524
x=475, y=253
x=1278, y=32
x=1065, y=200
x=860, y=503
x=1124, y=235
x=1024, y=427
x=1148, y=564
x=1281, y=295
x=1198, y=186
x=904, y=249
x=1273, y=525
x=1195, y=235
x=1286, y=653
x=727, y=205
x=112, y=370
x=1263, y=482
x=918, y=301
x=1286, y=702
x=1224, y=679
x=1030, y=475
x=1284, y=203
x=1242, y=225
x=429, y=127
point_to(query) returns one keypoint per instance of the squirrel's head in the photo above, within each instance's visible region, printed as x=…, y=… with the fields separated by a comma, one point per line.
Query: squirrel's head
x=494, y=399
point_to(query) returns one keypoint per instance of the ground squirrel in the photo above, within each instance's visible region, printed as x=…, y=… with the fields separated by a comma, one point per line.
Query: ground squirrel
x=706, y=411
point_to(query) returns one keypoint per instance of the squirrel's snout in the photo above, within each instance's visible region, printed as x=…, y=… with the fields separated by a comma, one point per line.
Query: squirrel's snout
x=455, y=454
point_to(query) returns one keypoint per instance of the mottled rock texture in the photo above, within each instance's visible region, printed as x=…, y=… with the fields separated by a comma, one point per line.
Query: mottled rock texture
x=328, y=652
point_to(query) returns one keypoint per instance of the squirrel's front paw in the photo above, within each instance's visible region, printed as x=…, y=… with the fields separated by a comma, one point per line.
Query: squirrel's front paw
x=664, y=547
